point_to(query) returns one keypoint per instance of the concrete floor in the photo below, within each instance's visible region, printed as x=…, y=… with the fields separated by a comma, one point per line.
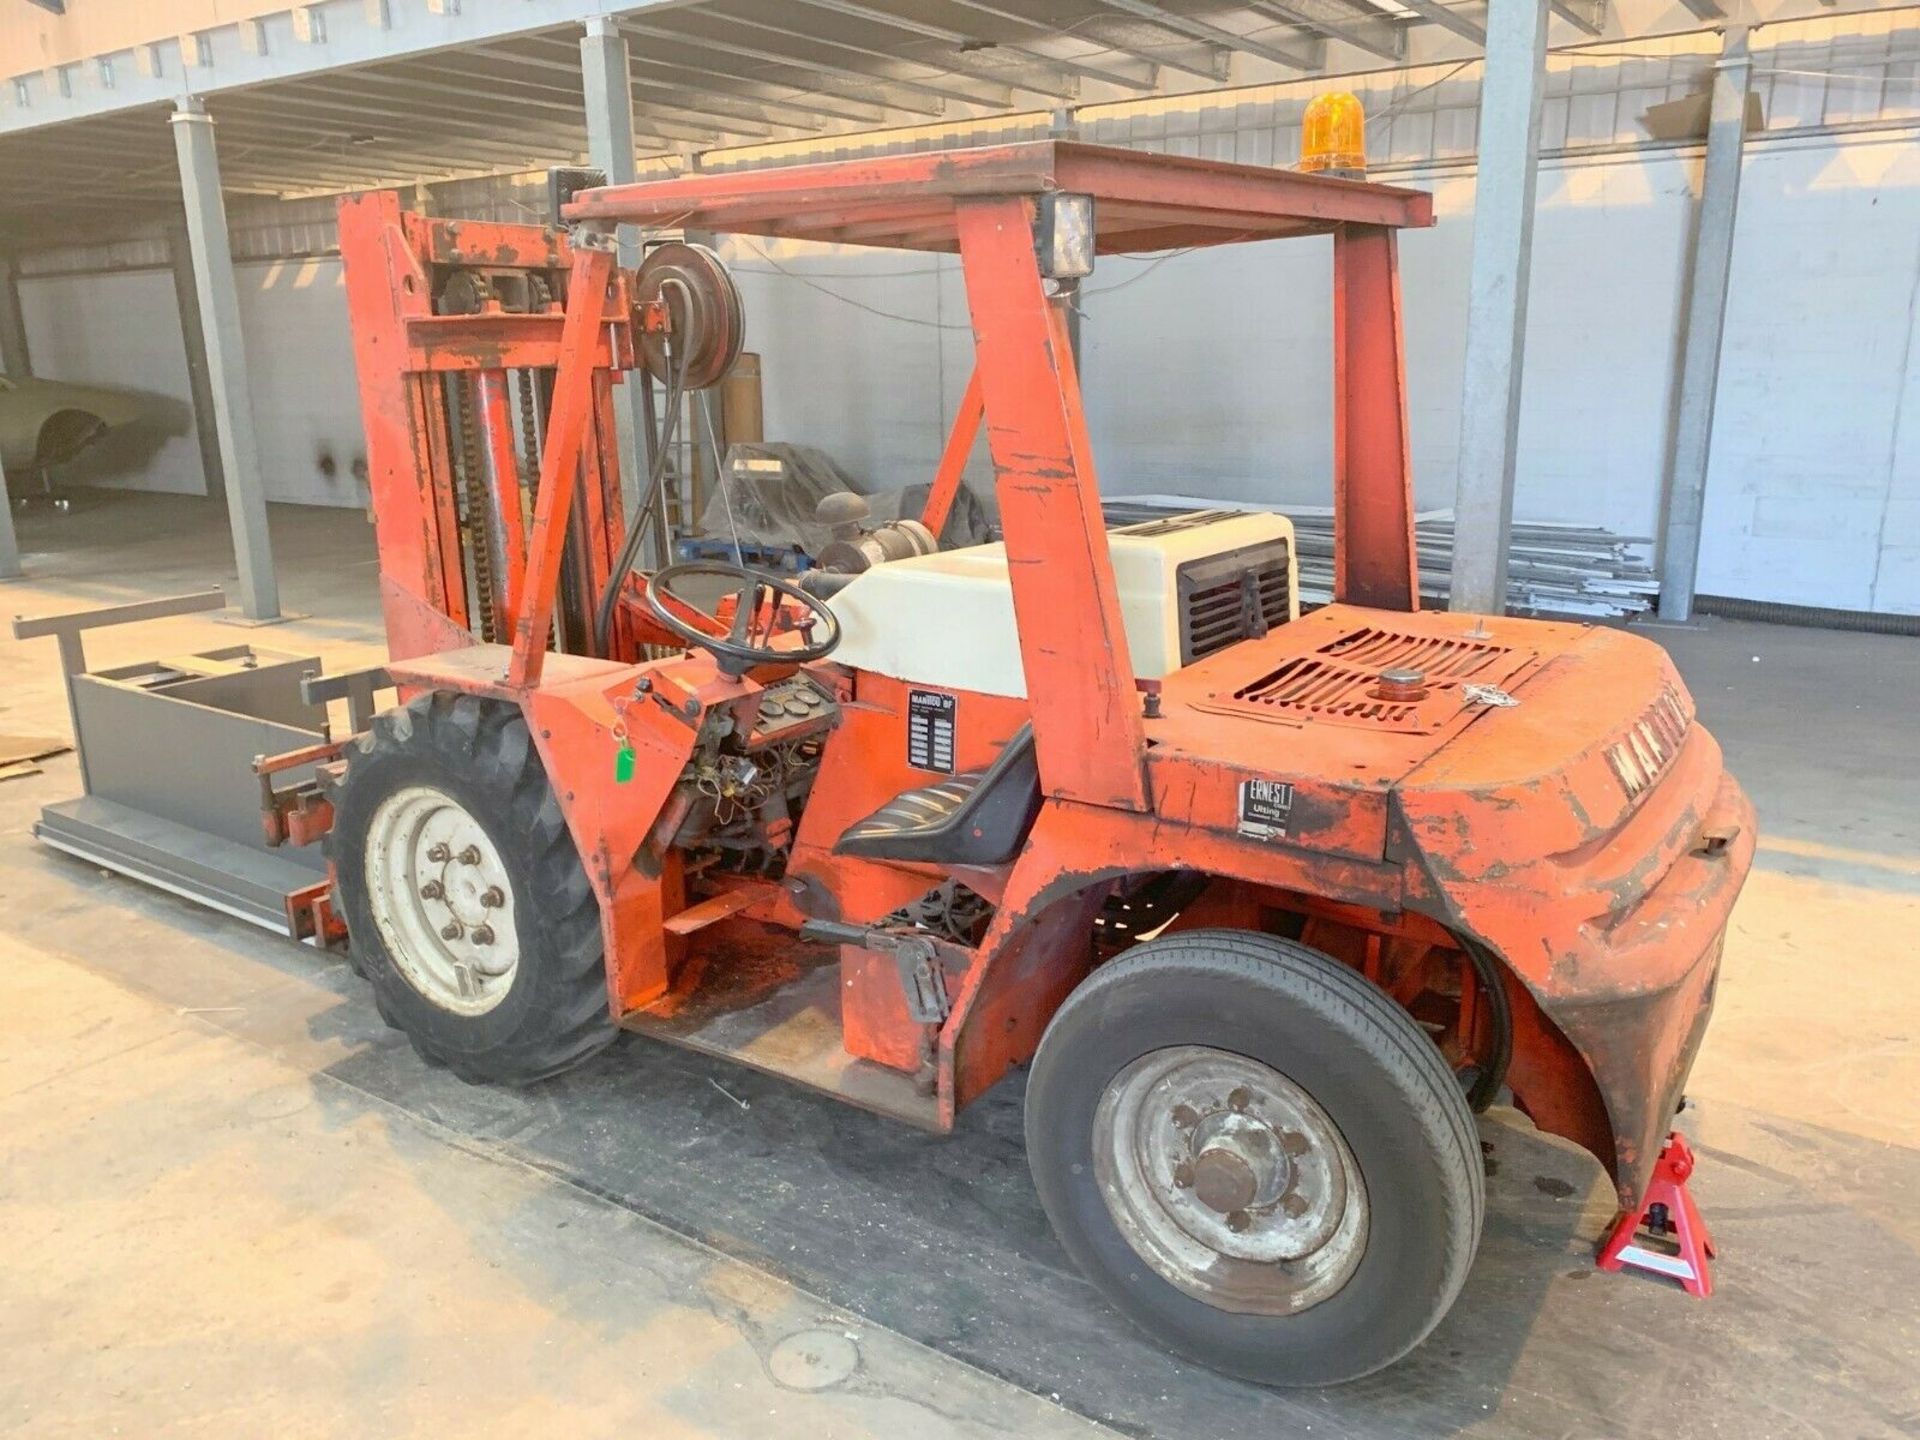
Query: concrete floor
x=234, y=1204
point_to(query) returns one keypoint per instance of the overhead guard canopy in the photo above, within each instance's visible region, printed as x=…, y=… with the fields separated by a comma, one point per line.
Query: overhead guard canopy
x=1142, y=200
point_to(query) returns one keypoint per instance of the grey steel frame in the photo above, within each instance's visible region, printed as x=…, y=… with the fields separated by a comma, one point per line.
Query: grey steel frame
x=167, y=751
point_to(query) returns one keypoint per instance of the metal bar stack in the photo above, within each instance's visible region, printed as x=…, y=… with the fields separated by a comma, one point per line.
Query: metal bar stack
x=1555, y=570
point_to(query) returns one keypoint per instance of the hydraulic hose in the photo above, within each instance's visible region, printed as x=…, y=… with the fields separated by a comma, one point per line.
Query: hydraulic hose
x=659, y=447
x=1486, y=1084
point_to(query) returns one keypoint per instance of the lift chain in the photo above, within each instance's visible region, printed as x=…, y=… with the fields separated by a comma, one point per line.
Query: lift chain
x=469, y=491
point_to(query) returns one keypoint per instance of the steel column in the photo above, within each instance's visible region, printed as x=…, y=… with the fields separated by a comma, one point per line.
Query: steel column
x=186, y=299
x=1711, y=262
x=9, y=544
x=14, y=360
x=226, y=358
x=607, y=93
x=1510, y=97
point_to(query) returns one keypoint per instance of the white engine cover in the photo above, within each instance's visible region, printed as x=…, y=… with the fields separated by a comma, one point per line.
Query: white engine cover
x=946, y=620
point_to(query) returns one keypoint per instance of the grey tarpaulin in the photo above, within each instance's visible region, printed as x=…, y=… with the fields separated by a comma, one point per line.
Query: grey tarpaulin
x=773, y=489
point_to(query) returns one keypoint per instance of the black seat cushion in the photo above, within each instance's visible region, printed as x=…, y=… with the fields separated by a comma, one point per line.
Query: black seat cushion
x=979, y=818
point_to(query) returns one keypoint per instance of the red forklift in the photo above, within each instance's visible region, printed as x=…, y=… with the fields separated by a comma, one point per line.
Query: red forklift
x=1268, y=904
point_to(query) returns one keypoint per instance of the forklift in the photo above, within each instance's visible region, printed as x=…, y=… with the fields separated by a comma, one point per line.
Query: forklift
x=1267, y=904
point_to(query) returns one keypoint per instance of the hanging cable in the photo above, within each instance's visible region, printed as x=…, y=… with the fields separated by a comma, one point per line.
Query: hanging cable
x=659, y=448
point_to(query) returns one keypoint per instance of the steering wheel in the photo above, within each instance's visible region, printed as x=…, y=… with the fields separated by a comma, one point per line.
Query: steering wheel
x=757, y=613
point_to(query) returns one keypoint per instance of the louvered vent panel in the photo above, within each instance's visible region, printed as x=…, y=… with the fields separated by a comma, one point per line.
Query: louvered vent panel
x=1339, y=680
x=1238, y=596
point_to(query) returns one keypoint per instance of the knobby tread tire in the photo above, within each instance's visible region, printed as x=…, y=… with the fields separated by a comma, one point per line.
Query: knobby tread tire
x=1377, y=1074
x=479, y=752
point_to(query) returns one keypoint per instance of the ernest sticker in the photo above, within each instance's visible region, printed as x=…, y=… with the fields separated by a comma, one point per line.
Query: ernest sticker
x=1266, y=807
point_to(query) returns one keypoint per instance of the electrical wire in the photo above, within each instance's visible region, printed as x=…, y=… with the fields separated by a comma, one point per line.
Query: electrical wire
x=845, y=299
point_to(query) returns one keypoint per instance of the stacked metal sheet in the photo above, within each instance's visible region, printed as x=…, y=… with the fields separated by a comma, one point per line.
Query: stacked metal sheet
x=1553, y=569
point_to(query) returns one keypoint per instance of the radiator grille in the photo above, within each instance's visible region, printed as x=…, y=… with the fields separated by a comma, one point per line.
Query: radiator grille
x=1642, y=755
x=1240, y=595
x=1337, y=681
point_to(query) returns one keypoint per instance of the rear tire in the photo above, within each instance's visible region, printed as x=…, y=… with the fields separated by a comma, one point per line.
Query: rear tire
x=1203, y=1117
x=464, y=897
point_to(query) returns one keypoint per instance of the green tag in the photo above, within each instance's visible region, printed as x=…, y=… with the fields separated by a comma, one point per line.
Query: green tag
x=623, y=765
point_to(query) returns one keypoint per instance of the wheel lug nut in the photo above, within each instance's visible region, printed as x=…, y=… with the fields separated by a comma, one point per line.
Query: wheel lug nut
x=1294, y=1204
x=1294, y=1143
x=1183, y=1175
x=450, y=931
x=1240, y=1098
x=431, y=890
x=1185, y=1116
x=1238, y=1221
x=483, y=935
x=470, y=855
x=493, y=897
x=439, y=854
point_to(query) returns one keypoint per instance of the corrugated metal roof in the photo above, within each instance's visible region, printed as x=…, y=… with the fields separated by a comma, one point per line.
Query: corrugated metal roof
x=732, y=80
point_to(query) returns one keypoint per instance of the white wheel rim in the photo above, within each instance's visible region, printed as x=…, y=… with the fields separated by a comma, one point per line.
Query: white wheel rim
x=442, y=900
x=1229, y=1180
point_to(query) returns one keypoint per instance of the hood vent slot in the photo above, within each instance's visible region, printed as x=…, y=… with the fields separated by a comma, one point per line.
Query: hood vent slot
x=1337, y=681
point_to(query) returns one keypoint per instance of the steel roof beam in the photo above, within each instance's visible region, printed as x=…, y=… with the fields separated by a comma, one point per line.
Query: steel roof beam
x=1367, y=30
x=1588, y=16
x=997, y=91
x=1454, y=18
x=571, y=100
x=672, y=129
x=932, y=101
x=346, y=99
x=1053, y=75
x=811, y=101
x=1146, y=78
x=482, y=132
x=421, y=149
x=1310, y=59
x=830, y=104
x=773, y=112
x=1200, y=59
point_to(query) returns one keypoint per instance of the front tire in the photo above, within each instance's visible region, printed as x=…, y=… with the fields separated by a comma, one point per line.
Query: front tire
x=466, y=905
x=1257, y=1156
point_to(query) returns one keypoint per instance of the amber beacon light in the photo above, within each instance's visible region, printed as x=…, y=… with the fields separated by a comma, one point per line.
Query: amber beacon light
x=1333, y=136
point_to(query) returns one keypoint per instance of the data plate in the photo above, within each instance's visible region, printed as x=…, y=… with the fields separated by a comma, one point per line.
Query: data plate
x=930, y=722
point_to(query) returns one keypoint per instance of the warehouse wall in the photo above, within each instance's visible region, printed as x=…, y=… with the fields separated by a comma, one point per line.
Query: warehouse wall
x=306, y=401
x=120, y=329
x=1814, y=493
x=1207, y=373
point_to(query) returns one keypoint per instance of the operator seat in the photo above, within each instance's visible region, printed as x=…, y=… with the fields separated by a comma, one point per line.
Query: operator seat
x=979, y=818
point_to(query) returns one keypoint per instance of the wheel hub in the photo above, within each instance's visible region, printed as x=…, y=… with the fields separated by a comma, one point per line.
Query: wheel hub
x=442, y=900
x=1229, y=1180
x=1238, y=1163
